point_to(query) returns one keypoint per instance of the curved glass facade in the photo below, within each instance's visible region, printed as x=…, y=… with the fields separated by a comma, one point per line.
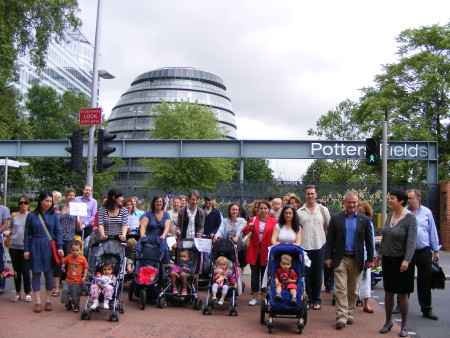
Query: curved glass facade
x=132, y=118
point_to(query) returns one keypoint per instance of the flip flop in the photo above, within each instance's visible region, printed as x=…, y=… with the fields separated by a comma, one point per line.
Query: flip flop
x=55, y=293
x=15, y=298
x=27, y=299
x=317, y=307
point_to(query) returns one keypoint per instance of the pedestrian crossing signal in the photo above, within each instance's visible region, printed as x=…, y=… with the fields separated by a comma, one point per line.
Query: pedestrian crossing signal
x=373, y=151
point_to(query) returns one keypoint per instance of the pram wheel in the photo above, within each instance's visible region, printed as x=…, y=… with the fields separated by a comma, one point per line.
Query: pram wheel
x=83, y=315
x=207, y=309
x=142, y=299
x=88, y=314
x=300, y=328
x=262, y=318
x=114, y=316
x=161, y=302
x=121, y=308
x=359, y=302
x=233, y=311
x=197, y=304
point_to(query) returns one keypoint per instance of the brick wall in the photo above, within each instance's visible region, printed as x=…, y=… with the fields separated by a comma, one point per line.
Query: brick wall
x=444, y=190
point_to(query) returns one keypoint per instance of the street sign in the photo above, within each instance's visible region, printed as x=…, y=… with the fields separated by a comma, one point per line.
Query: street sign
x=90, y=116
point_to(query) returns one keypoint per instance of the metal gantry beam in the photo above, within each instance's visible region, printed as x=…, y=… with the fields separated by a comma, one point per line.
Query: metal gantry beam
x=397, y=150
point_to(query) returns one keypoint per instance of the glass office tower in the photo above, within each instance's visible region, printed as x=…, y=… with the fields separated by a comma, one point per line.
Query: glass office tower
x=69, y=66
x=131, y=118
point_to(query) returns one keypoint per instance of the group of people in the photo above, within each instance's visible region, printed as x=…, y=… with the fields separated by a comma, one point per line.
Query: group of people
x=340, y=247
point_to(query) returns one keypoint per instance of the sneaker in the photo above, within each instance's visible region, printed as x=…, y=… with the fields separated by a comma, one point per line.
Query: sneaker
x=220, y=302
x=175, y=291
x=294, y=300
x=278, y=296
x=94, y=305
x=106, y=305
x=253, y=302
x=214, y=299
x=184, y=292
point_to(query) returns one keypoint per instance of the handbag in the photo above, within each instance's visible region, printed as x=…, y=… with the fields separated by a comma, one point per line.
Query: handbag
x=246, y=239
x=437, y=276
x=56, y=256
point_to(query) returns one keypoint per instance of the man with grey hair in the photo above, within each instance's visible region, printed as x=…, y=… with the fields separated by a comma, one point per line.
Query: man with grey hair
x=427, y=241
x=347, y=233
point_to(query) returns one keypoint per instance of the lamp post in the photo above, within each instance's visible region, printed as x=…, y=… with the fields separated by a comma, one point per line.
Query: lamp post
x=96, y=73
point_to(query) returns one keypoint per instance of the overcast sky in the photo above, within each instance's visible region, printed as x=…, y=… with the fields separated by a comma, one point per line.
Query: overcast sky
x=284, y=63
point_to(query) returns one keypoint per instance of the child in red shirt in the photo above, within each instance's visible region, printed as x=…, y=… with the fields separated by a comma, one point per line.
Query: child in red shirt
x=76, y=272
x=286, y=278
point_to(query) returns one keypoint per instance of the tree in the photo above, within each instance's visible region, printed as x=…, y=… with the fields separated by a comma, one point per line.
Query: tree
x=184, y=120
x=414, y=95
x=30, y=25
x=255, y=169
x=315, y=171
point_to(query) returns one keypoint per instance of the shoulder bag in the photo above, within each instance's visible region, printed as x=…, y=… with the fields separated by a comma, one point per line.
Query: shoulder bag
x=246, y=239
x=56, y=256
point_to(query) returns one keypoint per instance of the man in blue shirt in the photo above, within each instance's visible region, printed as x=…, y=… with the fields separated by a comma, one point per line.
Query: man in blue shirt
x=427, y=241
x=347, y=233
x=91, y=203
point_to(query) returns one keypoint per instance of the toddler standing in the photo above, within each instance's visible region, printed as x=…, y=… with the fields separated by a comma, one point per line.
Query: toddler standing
x=223, y=279
x=103, y=283
x=76, y=272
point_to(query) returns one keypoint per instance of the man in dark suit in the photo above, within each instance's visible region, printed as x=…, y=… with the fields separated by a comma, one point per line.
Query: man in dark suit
x=347, y=233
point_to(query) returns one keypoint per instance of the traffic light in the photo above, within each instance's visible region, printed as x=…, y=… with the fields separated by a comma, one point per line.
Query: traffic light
x=373, y=151
x=103, y=150
x=76, y=149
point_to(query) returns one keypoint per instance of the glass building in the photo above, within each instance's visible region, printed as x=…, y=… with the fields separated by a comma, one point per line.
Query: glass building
x=131, y=118
x=69, y=65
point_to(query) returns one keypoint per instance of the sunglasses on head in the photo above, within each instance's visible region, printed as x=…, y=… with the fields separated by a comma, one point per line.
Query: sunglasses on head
x=23, y=203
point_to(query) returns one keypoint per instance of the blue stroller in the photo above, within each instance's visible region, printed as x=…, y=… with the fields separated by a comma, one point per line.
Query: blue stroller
x=147, y=284
x=284, y=308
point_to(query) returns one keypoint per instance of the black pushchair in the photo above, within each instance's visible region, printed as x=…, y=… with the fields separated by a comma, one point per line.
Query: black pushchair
x=192, y=294
x=147, y=284
x=284, y=308
x=111, y=251
x=226, y=248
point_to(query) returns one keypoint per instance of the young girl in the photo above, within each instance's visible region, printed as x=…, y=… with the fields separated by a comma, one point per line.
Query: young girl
x=286, y=278
x=130, y=253
x=181, y=271
x=223, y=279
x=103, y=283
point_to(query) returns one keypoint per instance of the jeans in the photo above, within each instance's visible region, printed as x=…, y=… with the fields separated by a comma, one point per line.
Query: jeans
x=328, y=278
x=257, y=275
x=22, y=270
x=313, y=281
x=2, y=262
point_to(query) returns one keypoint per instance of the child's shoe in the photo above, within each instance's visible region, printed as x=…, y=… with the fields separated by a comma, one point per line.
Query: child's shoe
x=175, y=291
x=184, y=292
x=294, y=300
x=95, y=304
x=278, y=296
x=106, y=305
x=214, y=299
x=220, y=302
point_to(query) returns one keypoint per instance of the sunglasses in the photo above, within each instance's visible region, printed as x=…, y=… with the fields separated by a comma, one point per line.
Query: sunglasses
x=23, y=203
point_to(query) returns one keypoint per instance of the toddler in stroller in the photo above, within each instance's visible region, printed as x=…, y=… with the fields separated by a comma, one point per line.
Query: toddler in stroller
x=286, y=279
x=223, y=278
x=103, y=284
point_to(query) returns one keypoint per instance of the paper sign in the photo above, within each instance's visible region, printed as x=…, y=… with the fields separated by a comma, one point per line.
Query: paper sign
x=133, y=222
x=171, y=241
x=78, y=209
x=203, y=244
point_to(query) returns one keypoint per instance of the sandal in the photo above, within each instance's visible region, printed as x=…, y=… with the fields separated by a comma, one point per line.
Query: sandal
x=27, y=299
x=403, y=332
x=76, y=309
x=317, y=307
x=15, y=298
x=55, y=293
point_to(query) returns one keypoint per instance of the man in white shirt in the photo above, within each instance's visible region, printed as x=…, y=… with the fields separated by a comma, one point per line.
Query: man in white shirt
x=314, y=219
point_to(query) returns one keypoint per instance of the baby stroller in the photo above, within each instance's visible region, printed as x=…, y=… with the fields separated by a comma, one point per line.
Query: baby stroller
x=192, y=295
x=226, y=248
x=284, y=308
x=147, y=284
x=110, y=251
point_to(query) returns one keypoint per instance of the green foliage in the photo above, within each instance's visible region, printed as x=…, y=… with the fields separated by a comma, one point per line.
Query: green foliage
x=30, y=25
x=255, y=169
x=13, y=123
x=183, y=120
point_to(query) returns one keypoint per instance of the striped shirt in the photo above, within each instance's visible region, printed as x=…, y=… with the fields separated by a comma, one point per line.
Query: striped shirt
x=113, y=225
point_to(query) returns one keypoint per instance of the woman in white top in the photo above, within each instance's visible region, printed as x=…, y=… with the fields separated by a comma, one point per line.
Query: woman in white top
x=288, y=229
